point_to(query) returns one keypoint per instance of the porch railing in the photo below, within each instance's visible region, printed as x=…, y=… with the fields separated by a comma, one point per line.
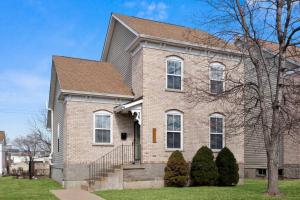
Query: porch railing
x=120, y=155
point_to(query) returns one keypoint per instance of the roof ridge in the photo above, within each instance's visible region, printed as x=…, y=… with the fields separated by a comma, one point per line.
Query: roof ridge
x=167, y=23
x=53, y=56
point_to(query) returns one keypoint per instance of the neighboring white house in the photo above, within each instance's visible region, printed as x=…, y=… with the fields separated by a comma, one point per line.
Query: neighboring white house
x=2, y=153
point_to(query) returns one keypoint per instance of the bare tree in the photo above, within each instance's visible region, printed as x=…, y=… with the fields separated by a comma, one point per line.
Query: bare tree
x=30, y=145
x=38, y=126
x=266, y=35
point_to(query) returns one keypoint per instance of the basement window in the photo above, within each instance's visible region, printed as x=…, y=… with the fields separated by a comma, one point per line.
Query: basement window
x=261, y=172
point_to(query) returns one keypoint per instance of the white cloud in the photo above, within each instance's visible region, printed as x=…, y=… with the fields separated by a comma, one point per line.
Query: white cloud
x=150, y=10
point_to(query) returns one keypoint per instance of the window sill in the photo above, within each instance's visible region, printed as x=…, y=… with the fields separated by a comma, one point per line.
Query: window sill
x=103, y=144
x=174, y=90
x=171, y=150
x=216, y=150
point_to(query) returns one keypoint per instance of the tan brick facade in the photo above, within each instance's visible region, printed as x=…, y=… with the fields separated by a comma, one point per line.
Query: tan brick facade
x=157, y=100
x=79, y=136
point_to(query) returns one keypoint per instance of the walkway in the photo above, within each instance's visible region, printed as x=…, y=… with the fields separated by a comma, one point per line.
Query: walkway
x=75, y=194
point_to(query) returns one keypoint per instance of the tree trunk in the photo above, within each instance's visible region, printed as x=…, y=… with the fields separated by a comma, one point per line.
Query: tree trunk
x=30, y=167
x=273, y=170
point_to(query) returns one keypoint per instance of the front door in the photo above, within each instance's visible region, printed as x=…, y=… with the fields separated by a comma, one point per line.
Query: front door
x=137, y=143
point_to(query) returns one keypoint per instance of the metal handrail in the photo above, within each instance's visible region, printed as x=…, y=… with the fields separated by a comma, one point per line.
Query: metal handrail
x=120, y=155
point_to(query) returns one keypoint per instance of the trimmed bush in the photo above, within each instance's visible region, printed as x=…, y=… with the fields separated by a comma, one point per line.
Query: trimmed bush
x=203, y=168
x=176, y=170
x=227, y=167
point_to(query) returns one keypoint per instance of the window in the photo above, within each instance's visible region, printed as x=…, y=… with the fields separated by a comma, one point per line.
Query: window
x=58, y=135
x=174, y=73
x=216, y=76
x=216, y=131
x=261, y=172
x=103, y=127
x=174, y=130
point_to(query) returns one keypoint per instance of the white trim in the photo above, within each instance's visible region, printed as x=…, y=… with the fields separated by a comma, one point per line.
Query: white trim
x=129, y=105
x=64, y=92
x=209, y=133
x=174, y=112
x=214, y=64
x=124, y=24
x=134, y=107
x=185, y=44
x=104, y=113
x=174, y=58
x=58, y=130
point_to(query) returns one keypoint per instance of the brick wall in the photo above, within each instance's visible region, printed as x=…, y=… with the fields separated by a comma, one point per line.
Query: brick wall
x=156, y=101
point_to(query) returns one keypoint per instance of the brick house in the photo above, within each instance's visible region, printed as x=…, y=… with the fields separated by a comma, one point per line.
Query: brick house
x=116, y=121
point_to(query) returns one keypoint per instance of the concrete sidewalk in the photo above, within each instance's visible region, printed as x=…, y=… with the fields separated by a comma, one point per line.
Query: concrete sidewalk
x=75, y=194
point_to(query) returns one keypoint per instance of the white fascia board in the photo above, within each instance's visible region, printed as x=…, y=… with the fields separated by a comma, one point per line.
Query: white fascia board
x=142, y=37
x=188, y=44
x=101, y=95
x=124, y=24
x=107, y=38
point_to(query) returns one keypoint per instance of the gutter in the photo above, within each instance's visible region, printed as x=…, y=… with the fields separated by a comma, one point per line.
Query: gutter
x=94, y=94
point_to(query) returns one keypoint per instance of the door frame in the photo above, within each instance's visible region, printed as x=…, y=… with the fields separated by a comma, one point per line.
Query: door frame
x=137, y=142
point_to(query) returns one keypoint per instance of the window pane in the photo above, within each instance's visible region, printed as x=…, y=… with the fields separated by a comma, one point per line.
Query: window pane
x=178, y=68
x=106, y=136
x=176, y=140
x=216, y=87
x=219, y=125
x=216, y=141
x=216, y=73
x=173, y=140
x=213, y=125
x=102, y=121
x=177, y=123
x=106, y=121
x=170, y=81
x=102, y=136
x=177, y=82
x=98, y=121
x=171, y=67
x=170, y=126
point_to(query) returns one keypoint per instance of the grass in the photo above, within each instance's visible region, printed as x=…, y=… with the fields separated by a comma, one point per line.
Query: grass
x=252, y=189
x=24, y=189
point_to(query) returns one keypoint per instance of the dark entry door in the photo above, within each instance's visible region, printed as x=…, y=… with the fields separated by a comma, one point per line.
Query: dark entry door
x=137, y=142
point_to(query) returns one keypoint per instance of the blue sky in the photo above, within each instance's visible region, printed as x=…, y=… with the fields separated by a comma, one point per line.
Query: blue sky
x=31, y=31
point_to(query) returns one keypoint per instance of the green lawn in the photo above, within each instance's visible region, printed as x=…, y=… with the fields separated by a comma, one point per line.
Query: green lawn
x=24, y=189
x=252, y=189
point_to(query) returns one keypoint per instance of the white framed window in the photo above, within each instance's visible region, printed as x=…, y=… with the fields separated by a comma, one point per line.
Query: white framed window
x=58, y=136
x=103, y=127
x=216, y=131
x=174, y=127
x=216, y=76
x=174, y=73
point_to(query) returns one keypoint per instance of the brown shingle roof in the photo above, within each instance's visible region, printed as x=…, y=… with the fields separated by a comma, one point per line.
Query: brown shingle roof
x=2, y=136
x=293, y=52
x=173, y=32
x=89, y=76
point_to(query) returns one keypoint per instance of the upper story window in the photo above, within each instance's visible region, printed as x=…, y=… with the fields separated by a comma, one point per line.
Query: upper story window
x=216, y=131
x=102, y=127
x=216, y=76
x=174, y=130
x=174, y=73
